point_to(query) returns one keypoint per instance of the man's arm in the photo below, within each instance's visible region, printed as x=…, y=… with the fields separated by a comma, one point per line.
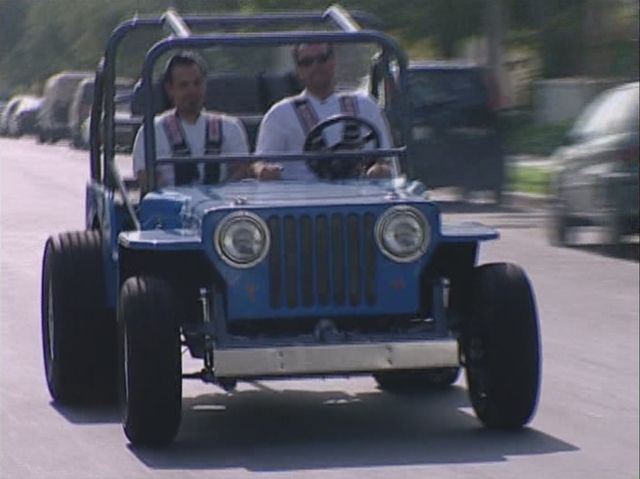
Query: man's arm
x=137, y=153
x=235, y=141
x=271, y=139
x=372, y=112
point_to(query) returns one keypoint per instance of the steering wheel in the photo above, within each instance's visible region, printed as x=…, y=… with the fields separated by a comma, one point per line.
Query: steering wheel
x=357, y=133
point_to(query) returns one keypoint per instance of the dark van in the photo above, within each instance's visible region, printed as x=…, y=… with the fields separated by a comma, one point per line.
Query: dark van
x=454, y=136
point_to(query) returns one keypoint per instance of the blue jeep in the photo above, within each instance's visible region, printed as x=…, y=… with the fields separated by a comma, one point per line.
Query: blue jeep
x=261, y=280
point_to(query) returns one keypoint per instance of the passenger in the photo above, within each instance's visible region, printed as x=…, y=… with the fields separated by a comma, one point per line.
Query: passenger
x=188, y=130
x=285, y=126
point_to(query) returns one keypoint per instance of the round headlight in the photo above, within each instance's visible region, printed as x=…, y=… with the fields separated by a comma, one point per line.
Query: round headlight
x=403, y=234
x=242, y=239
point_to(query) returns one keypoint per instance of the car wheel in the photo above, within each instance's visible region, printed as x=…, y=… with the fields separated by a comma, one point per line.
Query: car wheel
x=614, y=235
x=501, y=347
x=558, y=226
x=151, y=369
x=78, y=331
x=498, y=194
x=416, y=380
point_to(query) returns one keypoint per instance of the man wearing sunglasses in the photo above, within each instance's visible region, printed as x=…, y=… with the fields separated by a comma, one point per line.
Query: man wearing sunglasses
x=285, y=126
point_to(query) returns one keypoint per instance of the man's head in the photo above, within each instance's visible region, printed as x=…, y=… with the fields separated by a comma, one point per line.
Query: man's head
x=185, y=82
x=316, y=67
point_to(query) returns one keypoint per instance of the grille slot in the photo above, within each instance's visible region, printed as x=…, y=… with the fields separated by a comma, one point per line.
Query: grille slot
x=322, y=260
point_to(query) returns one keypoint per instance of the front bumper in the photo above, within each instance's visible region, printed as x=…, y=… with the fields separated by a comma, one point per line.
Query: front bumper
x=335, y=358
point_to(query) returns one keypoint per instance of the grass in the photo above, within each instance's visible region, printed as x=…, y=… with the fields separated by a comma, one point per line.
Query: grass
x=528, y=179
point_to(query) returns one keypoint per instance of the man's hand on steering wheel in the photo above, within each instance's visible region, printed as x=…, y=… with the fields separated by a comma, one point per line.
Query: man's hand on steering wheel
x=361, y=133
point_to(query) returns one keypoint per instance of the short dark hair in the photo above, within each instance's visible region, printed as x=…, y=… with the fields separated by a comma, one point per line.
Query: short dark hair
x=183, y=59
x=296, y=49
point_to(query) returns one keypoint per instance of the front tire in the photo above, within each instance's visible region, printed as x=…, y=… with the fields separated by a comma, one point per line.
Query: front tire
x=78, y=331
x=151, y=381
x=501, y=347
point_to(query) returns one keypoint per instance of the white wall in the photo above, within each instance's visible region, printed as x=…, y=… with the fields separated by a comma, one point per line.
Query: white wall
x=562, y=99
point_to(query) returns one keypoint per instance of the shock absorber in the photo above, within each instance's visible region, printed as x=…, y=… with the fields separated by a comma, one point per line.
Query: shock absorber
x=207, y=372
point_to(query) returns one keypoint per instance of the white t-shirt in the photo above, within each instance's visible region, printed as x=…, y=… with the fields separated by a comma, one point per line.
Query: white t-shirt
x=282, y=132
x=234, y=140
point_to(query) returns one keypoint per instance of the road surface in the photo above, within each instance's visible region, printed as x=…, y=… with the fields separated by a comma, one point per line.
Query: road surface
x=586, y=424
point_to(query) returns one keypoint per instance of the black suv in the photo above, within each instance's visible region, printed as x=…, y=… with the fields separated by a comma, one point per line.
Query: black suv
x=454, y=136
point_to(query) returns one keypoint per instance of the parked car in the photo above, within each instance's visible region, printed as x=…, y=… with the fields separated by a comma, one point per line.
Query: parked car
x=596, y=181
x=3, y=106
x=8, y=111
x=18, y=116
x=53, y=117
x=24, y=119
x=279, y=279
x=80, y=108
x=454, y=139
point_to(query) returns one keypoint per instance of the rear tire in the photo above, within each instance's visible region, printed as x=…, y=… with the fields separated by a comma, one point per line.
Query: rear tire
x=558, y=226
x=151, y=379
x=501, y=347
x=78, y=331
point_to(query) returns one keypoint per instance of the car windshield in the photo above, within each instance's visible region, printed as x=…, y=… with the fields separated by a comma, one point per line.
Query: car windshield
x=614, y=111
x=432, y=87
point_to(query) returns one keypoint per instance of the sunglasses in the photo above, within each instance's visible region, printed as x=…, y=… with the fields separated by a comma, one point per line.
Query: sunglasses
x=321, y=59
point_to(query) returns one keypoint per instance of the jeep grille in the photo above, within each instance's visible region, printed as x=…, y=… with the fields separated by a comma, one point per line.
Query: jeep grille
x=327, y=259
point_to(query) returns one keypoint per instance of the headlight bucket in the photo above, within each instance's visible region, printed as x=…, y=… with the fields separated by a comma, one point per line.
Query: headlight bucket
x=402, y=234
x=242, y=239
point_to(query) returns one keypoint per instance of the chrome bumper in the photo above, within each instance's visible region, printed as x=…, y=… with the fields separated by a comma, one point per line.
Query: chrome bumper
x=334, y=359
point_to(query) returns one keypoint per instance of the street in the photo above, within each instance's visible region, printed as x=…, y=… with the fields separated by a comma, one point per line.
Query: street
x=586, y=426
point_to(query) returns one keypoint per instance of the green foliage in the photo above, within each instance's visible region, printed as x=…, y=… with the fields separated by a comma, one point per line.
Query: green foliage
x=41, y=37
x=529, y=179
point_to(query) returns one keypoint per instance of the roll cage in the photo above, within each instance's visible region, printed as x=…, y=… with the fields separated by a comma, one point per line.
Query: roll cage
x=180, y=36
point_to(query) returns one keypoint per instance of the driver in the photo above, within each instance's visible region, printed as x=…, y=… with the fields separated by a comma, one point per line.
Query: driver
x=285, y=126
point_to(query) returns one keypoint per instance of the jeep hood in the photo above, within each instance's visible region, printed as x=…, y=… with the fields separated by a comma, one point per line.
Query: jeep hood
x=196, y=201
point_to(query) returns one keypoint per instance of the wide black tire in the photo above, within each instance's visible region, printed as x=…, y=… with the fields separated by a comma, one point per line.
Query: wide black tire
x=78, y=331
x=416, y=380
x=502, y=348
x=151, y=380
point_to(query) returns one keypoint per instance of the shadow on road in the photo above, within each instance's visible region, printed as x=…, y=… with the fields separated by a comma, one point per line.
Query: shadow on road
x=92, y=414
x=295, y=430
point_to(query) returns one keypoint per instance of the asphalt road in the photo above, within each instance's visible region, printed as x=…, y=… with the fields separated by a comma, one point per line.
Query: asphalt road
x=586, y=424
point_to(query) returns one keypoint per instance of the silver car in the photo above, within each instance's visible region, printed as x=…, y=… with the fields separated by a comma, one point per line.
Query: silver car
x=597, y=176
x=53, y=116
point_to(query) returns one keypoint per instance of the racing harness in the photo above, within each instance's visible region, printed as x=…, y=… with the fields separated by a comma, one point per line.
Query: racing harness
x=187, y=172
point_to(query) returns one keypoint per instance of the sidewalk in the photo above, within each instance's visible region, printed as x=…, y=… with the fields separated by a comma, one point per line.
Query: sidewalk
x=522, y=200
